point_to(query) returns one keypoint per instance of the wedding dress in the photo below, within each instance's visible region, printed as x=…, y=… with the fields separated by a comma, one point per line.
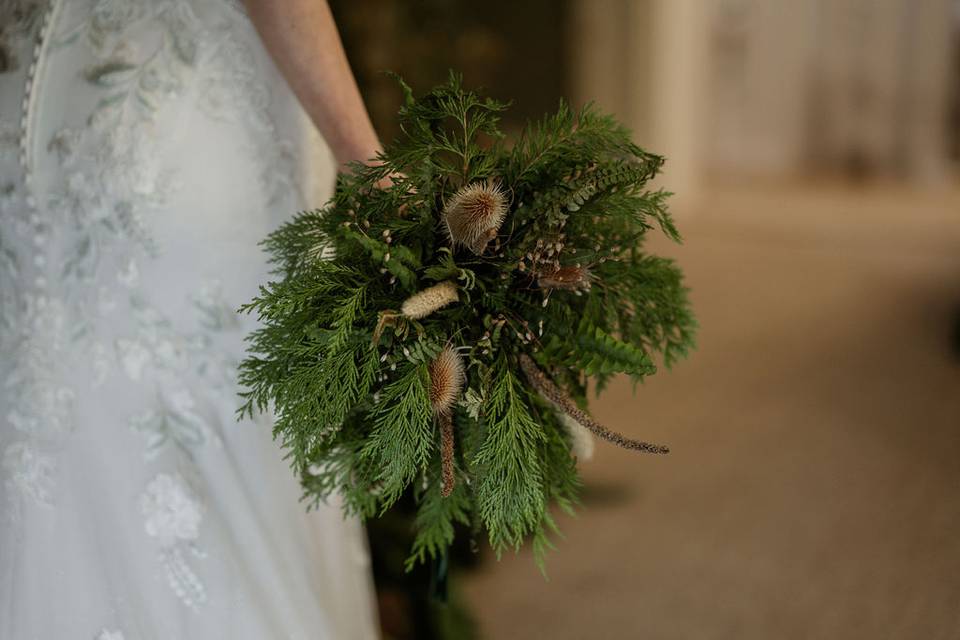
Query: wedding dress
x=146, y=146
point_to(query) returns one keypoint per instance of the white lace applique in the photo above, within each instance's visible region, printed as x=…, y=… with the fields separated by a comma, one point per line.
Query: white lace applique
x=233, y=91
x=29, y=475
x=175, y=421
x=91, y=235
x=111, y=184
x=99, y=210
x=104, y=26
x=94, y=219
x=165, y=353
x=156, y=344
x=217, y=367
x=100, y=225
x=172, y=514
x=167, y=357
x=216, y=314
x=38, y=403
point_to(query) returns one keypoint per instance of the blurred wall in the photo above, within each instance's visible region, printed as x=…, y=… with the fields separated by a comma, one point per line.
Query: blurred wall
x=514, y=51
x=775, y=87
x=723, y=88
x=643, y=60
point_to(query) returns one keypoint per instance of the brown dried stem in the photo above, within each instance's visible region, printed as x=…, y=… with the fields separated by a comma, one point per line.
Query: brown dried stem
x=552, y=392
x=446, y=453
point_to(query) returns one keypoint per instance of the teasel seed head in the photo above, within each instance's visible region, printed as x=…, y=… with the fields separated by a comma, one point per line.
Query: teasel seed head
x=446, y=380
x=474, y=215
x=425, y=302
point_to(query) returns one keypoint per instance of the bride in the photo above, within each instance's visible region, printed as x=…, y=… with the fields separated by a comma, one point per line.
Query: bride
x=146, y=146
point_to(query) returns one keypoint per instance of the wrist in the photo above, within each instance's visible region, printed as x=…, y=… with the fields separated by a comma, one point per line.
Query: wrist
x=364, y=151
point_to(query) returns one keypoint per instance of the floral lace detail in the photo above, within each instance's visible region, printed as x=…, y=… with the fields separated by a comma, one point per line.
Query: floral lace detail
x=174, y=421
x=172, y=515
x=166, y=356
x=103, y=28
x=170, y=510
x=156, y=343
x=216, y=313
x=79, y=240
x=234, y=92
x=217, y=368
x=38, y=403
x=111, y=182
x=93, y=219
x=29, y=474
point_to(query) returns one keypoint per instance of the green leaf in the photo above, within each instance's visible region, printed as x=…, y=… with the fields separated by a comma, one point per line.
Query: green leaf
x=436, y=518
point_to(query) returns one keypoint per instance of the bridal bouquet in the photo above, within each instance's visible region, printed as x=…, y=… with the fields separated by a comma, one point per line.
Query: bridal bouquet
x=437, y=334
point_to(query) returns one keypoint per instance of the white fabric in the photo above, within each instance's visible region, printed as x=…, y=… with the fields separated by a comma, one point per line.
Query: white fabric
x=146, y=146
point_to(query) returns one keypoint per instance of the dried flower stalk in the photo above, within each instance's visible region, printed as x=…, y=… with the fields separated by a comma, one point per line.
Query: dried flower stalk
x=423, y=303
x=446, y=383
x=448, y=477
x=549, y=390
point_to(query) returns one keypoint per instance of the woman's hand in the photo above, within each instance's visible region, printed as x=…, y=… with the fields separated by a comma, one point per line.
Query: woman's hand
x=302, y=38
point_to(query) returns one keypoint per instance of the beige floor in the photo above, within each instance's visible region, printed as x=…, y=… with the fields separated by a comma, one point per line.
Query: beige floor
x=814, y=486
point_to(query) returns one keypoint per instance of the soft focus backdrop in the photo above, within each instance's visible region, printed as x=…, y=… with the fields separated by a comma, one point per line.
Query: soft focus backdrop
x=814, y=486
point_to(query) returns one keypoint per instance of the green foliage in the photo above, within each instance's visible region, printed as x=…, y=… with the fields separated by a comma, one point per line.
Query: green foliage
x=595, y=353
x=400, y=443
x=510, y=488
x=437, y=517
x=348, y=375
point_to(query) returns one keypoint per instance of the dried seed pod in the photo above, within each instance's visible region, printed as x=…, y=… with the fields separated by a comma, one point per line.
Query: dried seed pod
x=569, y=278
x=474, y=215
x=423, y=303
x=446, y=380
x=448, y=477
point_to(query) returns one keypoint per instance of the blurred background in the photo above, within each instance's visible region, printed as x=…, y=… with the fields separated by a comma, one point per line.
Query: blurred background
x=814, y=486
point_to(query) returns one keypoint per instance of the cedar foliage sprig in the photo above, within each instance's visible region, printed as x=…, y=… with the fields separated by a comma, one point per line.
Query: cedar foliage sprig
x=551, y=287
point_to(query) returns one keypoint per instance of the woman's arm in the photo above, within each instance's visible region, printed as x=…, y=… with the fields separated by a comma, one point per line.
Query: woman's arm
x=303, y=41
